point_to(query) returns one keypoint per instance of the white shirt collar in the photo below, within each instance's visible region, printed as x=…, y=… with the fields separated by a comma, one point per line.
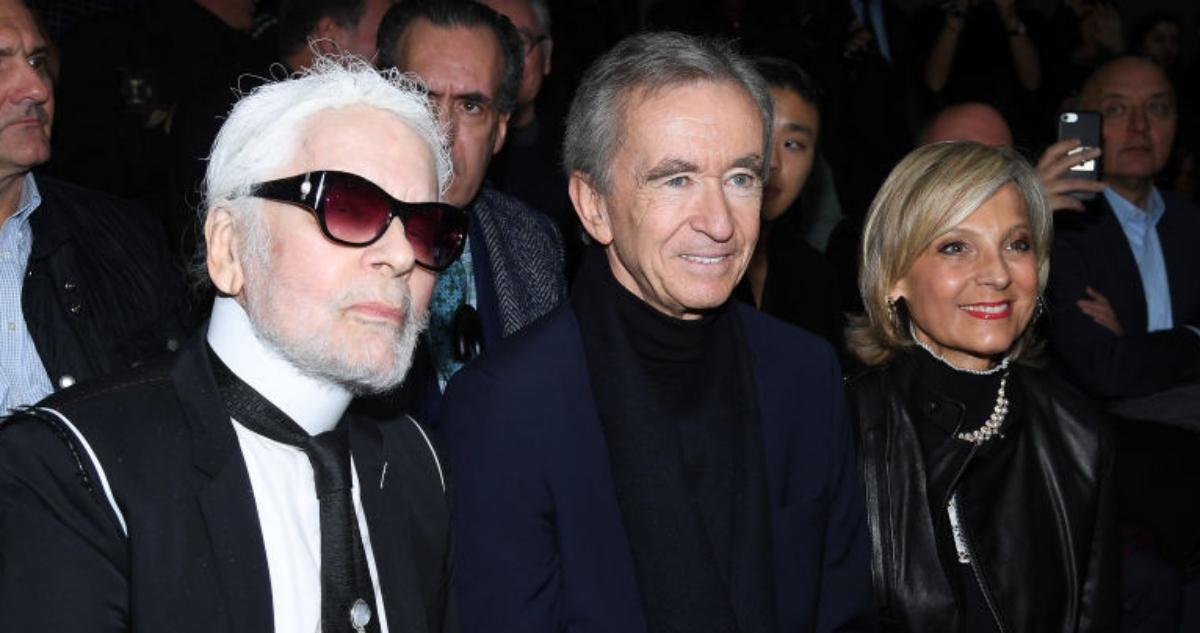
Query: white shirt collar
x=316, y=405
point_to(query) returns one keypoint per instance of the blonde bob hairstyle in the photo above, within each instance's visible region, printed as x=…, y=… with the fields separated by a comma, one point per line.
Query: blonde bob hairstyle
x=931, y=191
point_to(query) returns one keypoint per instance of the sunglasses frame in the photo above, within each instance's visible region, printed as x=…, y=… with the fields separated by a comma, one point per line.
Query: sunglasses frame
x=307, y=192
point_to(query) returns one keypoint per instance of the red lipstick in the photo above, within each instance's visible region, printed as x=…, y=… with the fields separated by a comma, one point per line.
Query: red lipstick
x=989, y=311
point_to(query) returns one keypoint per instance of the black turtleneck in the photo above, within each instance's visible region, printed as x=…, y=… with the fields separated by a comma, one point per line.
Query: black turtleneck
x=676, y=399
x=954, y=401
x=974, y=393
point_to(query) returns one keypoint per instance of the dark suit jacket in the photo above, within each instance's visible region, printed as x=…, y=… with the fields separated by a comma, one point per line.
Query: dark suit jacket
x=517, y=256
x=193, y=559
x=540, y=543
x=100, y=293
x=1090, y=250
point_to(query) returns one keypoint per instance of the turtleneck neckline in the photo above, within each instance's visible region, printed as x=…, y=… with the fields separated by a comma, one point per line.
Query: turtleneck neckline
x=994, y=369
x=656, y=337
x=976, y=392
x=316, y=405
x=677, y=403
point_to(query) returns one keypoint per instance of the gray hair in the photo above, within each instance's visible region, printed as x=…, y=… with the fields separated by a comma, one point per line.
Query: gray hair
x=262, y=132
x=932, y=190
x=640, y=66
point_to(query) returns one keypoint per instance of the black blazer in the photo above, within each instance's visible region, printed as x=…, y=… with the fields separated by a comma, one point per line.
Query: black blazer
x=100, y=293
x=193, y=559
x=1090, y=249
x=538, y=533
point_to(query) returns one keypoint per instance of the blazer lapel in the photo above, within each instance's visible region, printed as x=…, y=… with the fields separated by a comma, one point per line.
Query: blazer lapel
x=510, y=314
x=1130, y=307
x=227, y=497
x=380, y=486
x=238, y=552
x=1175, y=240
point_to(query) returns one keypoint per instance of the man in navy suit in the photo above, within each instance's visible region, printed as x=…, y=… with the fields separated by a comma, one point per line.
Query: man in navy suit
x=651, y=456
x=232, y=487
x=1125, y=284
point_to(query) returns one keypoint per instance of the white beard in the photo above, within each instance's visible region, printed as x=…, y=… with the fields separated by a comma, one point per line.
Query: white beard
x=314, y=353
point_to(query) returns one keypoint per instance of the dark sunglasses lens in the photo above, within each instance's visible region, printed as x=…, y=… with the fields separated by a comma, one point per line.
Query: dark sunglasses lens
x=355, y=210
x=436, y=233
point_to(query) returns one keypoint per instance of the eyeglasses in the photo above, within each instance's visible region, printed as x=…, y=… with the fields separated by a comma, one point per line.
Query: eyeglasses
x=531, y=40
x=355, y=212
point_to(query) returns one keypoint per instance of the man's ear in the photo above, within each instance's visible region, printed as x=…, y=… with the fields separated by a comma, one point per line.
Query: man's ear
x=327, y=36
x=225, y=266
x=549, y=44
x=591, y=208
x=501, y=132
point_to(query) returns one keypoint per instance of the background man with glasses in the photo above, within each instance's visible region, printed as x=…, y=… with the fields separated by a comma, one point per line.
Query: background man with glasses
x=232, y=488
x=1125, y=314
x=1125, y=281
x=512, y=270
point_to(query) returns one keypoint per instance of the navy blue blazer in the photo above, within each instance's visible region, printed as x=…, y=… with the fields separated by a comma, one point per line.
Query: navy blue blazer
x=540, y=544
x=1090, y=250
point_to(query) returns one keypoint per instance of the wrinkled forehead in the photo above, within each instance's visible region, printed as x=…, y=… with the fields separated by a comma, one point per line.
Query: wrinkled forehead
x=660, y=103
x=18, y=26
x=700, y=127
x=373, y=143
x=470, y=57
x=1128, y=78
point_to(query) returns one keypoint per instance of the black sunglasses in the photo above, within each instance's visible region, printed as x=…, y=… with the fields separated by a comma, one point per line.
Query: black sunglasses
x=354, y=211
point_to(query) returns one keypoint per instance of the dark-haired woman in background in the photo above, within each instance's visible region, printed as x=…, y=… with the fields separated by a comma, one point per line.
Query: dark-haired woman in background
x=787, y=277
x=987, y=481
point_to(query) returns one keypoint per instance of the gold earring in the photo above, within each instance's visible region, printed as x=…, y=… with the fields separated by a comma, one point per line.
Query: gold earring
x=893, y=314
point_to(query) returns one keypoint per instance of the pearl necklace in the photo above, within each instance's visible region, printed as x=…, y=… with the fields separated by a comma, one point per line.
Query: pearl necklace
x=991, y=427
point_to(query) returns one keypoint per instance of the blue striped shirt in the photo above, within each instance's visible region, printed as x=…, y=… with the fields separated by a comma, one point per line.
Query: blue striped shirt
x=23, y=378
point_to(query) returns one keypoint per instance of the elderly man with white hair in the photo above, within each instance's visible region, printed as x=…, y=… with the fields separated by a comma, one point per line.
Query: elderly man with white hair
x=232, y=488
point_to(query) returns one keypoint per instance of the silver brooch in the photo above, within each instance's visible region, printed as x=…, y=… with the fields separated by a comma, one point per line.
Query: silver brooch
x=360, y=615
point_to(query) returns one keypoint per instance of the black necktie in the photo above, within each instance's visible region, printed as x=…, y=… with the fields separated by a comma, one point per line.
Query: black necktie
x=347, y=594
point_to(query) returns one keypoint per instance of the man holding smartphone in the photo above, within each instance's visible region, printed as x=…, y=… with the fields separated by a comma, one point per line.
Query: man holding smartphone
x=1125, y=302
x=1125, y=291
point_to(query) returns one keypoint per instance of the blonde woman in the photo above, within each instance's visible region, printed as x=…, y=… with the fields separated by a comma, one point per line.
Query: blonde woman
x=987, y=481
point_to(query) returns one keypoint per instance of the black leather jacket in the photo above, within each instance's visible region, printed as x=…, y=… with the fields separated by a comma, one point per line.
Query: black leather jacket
x=1036, y=506
x=100, y=291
